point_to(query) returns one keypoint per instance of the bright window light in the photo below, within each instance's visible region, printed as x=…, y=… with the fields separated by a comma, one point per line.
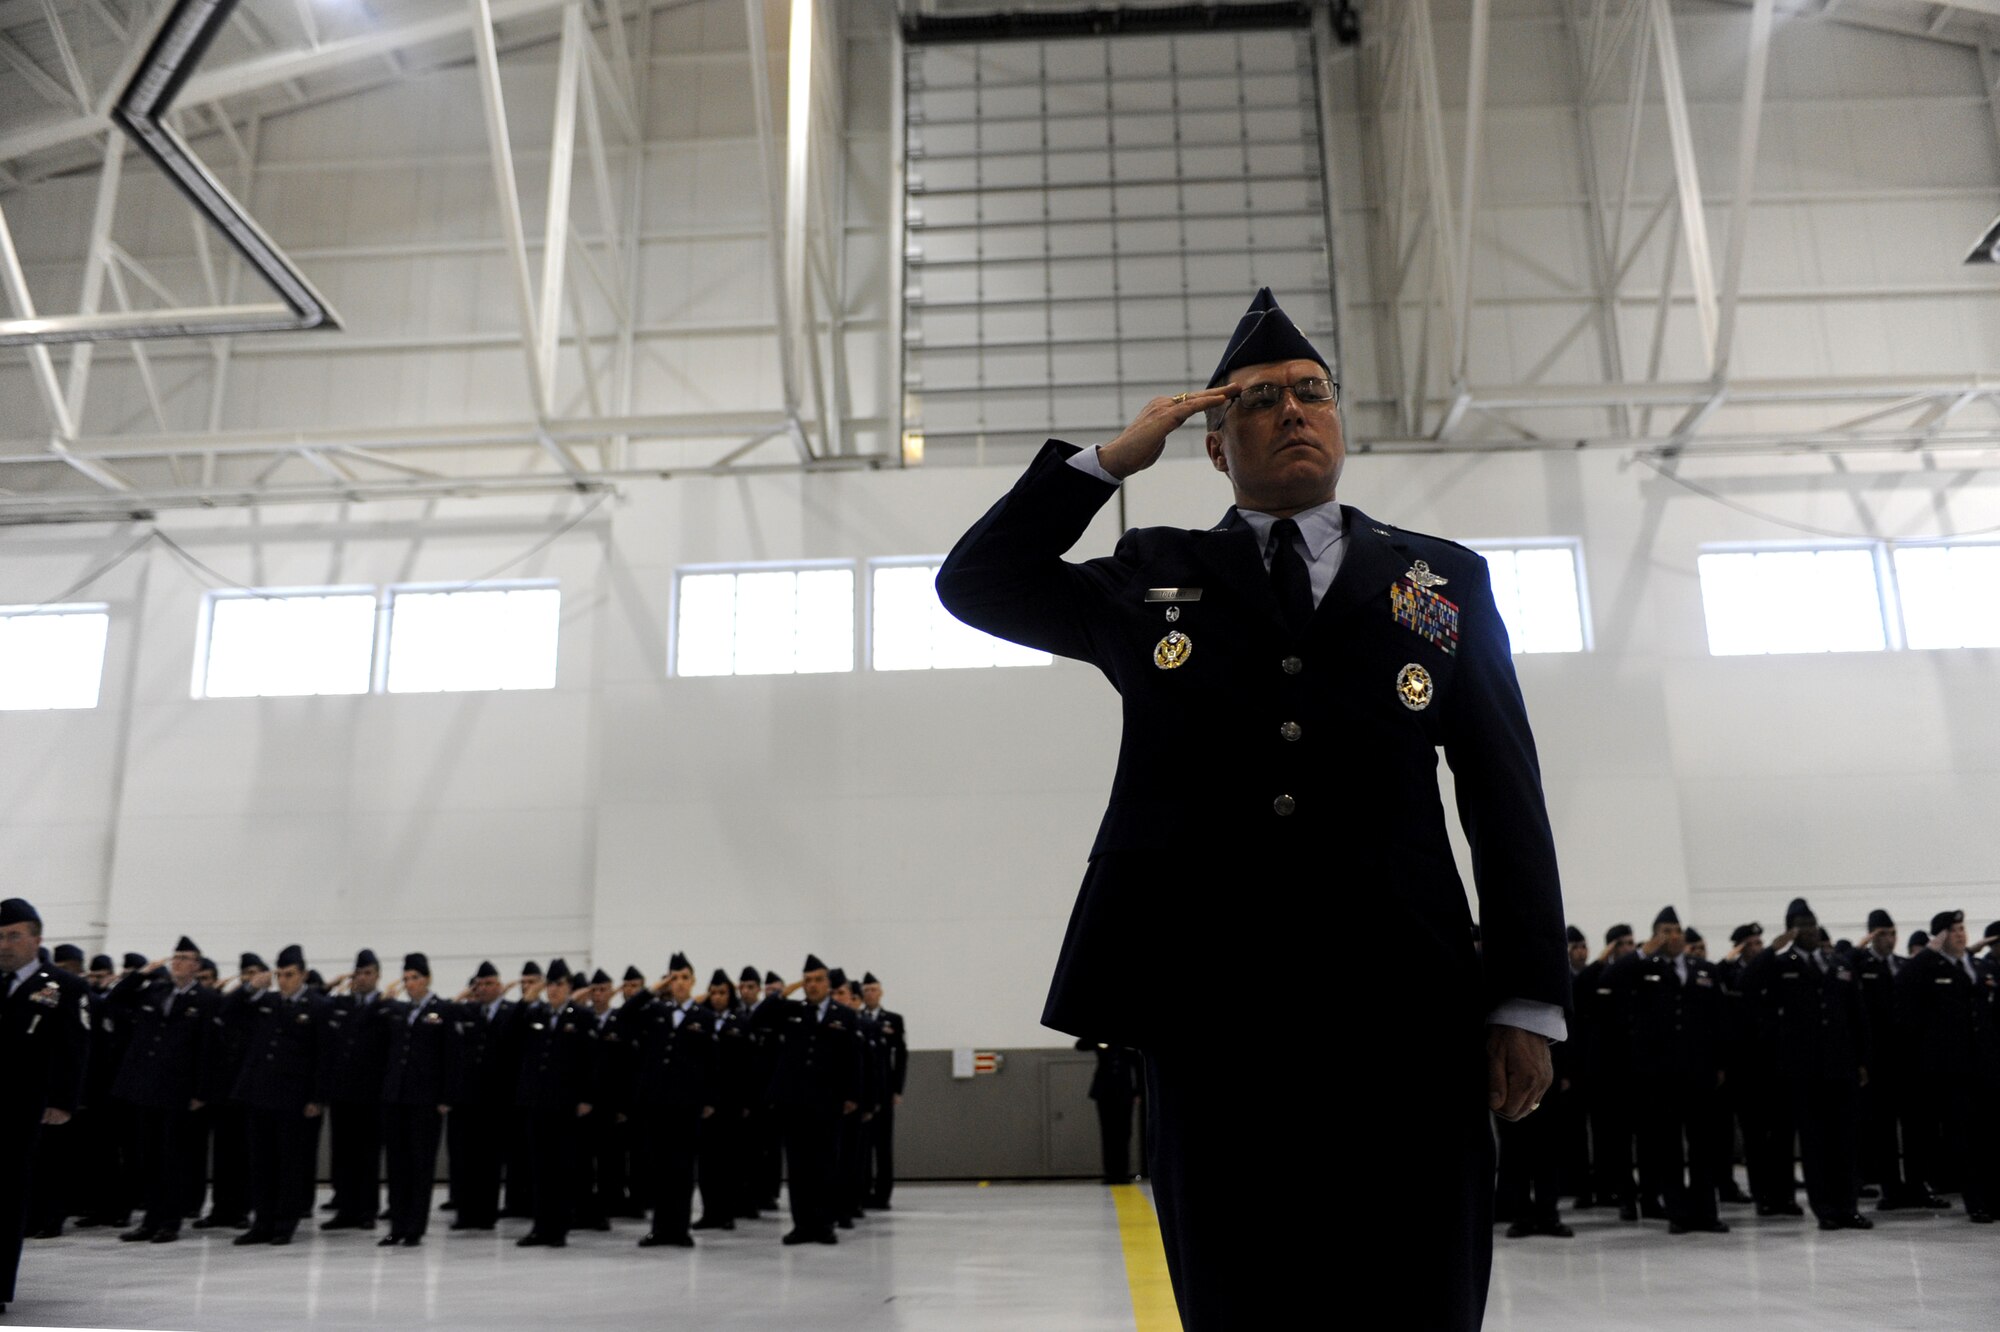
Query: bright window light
x=1536, y=590
x=311, y=643
x=1773, y=601
x=765, y=622
x=51, y=656
x=487, y=639
x=1948, y=595
x=912, y=631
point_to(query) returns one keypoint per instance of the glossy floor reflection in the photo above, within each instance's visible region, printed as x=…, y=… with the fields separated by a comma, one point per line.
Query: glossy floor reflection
x=1914, y=1270
x=948, y=1256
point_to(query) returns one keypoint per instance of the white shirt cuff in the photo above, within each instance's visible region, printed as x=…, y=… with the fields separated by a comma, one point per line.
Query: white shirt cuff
x=1533, y=1015
x=1085, y=460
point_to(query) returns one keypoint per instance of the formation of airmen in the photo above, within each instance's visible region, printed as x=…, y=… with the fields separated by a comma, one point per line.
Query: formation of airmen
x=1875, y=1070
x=565, y=1098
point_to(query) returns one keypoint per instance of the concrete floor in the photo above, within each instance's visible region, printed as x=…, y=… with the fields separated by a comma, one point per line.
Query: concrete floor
x=961, y=1258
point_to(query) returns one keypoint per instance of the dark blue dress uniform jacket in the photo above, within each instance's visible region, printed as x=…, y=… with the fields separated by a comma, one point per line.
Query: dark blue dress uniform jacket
x=421, y=1066
x=1812, y=1021
x=1674, y=1031
x=44, y=1045
x=169, y=1060
x=1193, y=856
x=284, y=1064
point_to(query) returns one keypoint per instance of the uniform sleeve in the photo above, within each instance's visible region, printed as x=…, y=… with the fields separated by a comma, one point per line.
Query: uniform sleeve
x=1498, y=778
x=72, y=1057
x=899, y=1057
x=1007, y=575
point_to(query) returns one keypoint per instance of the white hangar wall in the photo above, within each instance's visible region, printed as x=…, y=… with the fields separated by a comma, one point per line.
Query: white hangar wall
x=931, y=826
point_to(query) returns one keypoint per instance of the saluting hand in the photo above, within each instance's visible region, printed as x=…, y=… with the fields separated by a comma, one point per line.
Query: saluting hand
x=55, y=1116
x=1140, y=444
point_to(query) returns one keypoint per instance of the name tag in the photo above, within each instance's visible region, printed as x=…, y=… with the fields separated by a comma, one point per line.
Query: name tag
x=1173, y=594
x=1942, y=980
x=1654, y=977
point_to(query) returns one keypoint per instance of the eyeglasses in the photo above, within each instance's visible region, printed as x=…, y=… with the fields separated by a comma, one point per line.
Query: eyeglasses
x=1312, y=392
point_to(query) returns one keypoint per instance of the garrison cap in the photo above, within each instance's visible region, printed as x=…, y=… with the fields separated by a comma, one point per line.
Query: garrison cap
x=1572, y=934
x=133, y=961
x=1264, y=334
x=208, y=964
x=186, y=945
x=291, y=955
x=17, y=911
x=812, y=964
x=748, y=976
x=1918, y=940
x=721, y=977
x=1878, y=919
x=1799, y=910
x=836, y=978
x=633, y=973
x=251, y=962
x=679, y=962
x=531, y=968
x=67, y=953
x=1944, y=920
x=418, y=963
x=486, y=970
x=599, y=977
x=558, y=972
x=102, y=962
x=773, y=978
x=1694, y=935
x=1667, y=916
x=868, y=978
x=366, y=958
x=1751, y=931
x=1617, y=932
x=1992, y=931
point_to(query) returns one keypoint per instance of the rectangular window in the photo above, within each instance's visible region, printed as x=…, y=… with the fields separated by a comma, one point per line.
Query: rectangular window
x=1539, y=594
x=910, y=630
x=491, y=638
x=265, y=645
x=1948, y=595
x=765, y=622
x=1772, y=601
x=51, y=656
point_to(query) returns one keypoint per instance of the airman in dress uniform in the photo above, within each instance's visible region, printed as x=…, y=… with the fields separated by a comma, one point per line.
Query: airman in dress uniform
x=721, y=1169
x=882, y=1136
x=1606, y=1067
x=816, y=1085
x=555, y=1085
x=482, y=1100
x=281, y=1085
x=105, y=1167
x=1114, y=1090
x=1944, y=1007
x=44, y=1048
x=224, y=1117
x=162, y=1078
x=1287, y=679
x=520, y=1195
x=356, y=1046
x=416, y=1081
x=672, y=1093
x=767, y=1176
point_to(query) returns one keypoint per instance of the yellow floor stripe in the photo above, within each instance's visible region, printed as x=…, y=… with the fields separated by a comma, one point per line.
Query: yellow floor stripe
x=1145, y=1261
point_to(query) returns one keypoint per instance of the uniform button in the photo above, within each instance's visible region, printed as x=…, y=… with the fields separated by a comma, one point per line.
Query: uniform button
x=1283, y=805
x=1292, y=665
x=1290, y=730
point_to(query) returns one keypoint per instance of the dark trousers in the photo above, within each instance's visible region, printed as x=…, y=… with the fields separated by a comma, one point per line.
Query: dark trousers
x=232, y=1199
x=1677, y=1145
x=410, y=1134
x=812, y=1157
x=1768, y=1133
x=1826, y=1113
x=1884, y=1162
x=1531, y=1160
x=197, y=1155
x=767, y=1131
x=672, y=1134
x=611, y=1184
x=1611, y=1143
x=478, y=1138
x=281, y=1143
x=851, y=1174
x=719, y=1165
x=23, y=1127
x=357, y=1160
x=882, y=1155
x=103, y=1163
x=556, y=1155
x=1956, y=1139
x=1427, y=1172
x=165, y=1141
x=1114, y=1136
x=52, y=1199
x=520, y=1192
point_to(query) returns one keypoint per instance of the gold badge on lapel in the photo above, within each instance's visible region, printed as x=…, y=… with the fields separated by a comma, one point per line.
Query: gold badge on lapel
x=1413, y=687
x=1173, y=650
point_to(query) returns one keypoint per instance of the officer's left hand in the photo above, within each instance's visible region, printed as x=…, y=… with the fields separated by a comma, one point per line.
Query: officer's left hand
x=312, y=1111
x=707, y=1111
x=55, y=1116
x=1518, y=1070
x=582, y=1109
x=848, y=1107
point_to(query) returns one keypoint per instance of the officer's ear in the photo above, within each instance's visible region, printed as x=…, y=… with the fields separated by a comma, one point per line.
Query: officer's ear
x=1213, y=443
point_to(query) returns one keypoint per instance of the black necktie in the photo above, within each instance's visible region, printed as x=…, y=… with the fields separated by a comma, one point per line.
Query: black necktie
x=1289, y=579
x=8, y=991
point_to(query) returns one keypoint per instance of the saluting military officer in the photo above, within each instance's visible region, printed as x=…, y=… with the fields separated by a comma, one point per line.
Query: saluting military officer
x=1747, y=1082
x=816, y=1084
x=44, y=1049
x=356, y=1045
x=1886, y=1161
x=630, y=1164
x=482, y=1099
x=767, y=1136
x=1671, y=1006
x=103, y=1166
x=416, y=1081
x=851, y=1172
x=882, y=1135
x=1287, y=679
x=171, y=1018
x=227, y=1118
x=1809, y=1008
x=282, y=1087
x=673, y=1093
x=58, y=1163
x=1943, y=1006
x=720, y=1168
x=555, y=1086
x=520, y=1194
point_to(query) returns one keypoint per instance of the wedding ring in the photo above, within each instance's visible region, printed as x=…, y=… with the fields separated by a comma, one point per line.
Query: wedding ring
x=1536, y=1106
x=1180, y=397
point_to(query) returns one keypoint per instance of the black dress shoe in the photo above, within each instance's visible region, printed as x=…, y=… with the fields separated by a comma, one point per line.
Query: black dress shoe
x=1652, y=1211
x=211, y=1222
x=1557, y=1230
x=138, y=1236
x=828, y=1237
x=46, y=1232
x=254, y=1235
x=706, y=1224
x=1780, y=1209
x=347, y=1223
x=1979, y=1218
x=1697, y=1228
x=796, y=1236
x=388, y=1241
x=164, y=1236
x=413, y=1241
x=845, y=1224
x=1935, y=1203
x=655, y=1241
x=283, y=1237
x=532, y=1240
x=1628, y=1211
x=470, y=1225
x=1523, y=1230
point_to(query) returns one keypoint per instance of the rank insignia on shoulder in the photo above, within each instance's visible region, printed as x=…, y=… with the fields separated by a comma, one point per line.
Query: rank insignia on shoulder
x=1423, y=612
x=1172, y=651
x=1413, y=687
